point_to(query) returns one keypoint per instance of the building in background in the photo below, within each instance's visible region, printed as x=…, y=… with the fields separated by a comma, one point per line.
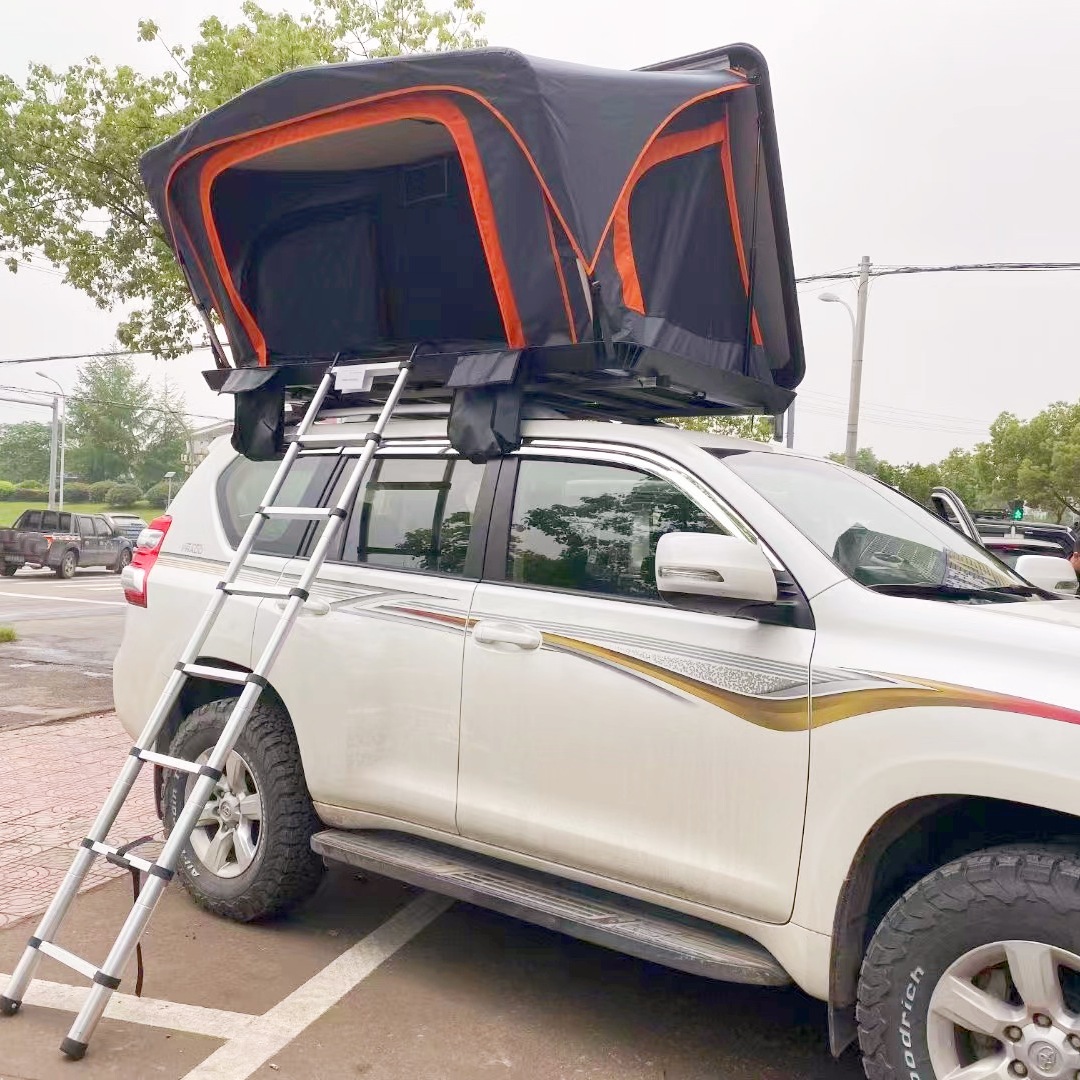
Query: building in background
x=200, y=441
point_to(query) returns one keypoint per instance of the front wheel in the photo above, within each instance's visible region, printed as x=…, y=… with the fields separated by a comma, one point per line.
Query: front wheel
x=250, y=854
x=122, y=560
x=975, y=973
x=68, y=564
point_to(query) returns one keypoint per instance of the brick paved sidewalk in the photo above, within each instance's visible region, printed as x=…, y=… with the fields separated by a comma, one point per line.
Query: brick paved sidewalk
x=53, y=780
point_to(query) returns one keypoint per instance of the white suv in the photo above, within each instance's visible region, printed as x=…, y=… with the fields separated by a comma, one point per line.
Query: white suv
x=731, y=708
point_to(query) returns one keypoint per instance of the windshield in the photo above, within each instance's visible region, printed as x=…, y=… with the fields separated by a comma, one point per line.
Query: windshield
x=874, y=535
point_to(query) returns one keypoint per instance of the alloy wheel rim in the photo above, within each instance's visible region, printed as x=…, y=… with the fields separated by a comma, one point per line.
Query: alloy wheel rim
x=228, y=834
x=1001, y=1012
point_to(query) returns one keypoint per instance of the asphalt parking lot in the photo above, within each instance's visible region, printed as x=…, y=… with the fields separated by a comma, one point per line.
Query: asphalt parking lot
x=69, y=631
x=371, y=979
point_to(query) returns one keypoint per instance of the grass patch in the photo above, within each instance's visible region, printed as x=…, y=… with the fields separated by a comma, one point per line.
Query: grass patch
x=10, y=511
x=8, y=635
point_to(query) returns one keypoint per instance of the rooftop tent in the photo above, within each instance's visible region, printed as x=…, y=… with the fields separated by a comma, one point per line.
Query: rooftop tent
x=612, y=243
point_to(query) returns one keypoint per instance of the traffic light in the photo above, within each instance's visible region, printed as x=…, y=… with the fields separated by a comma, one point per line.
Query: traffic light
x=1016, y=509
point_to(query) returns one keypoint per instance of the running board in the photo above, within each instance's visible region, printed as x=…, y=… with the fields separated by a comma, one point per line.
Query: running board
x=602, y=918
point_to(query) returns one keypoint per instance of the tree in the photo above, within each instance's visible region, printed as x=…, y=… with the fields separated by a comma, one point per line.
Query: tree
x=866, y=461
x=70, y=142
x=107, y=418
x=24, y=451
x=1038, y=460
x=165, y=437
x=120, y=429
x=758, y=428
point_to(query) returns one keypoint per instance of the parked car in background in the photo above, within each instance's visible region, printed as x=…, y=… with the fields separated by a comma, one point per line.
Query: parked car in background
x=63, y=542
x=129, y=525
x=1042, y=561
x=1061, y=536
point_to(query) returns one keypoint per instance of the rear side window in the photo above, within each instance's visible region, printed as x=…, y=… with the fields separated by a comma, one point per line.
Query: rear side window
x=86, y=526
x=243, y=485
x=415, y=514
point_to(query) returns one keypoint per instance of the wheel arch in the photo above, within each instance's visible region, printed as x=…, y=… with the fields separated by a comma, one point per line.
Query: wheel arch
x=902, y=847
x=196, y=692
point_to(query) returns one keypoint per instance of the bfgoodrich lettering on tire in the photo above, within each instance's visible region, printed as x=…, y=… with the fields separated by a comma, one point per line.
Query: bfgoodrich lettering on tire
x=975, y=973
x=250, y=854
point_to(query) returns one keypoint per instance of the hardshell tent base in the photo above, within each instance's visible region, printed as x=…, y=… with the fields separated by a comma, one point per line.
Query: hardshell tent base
x=575, y=381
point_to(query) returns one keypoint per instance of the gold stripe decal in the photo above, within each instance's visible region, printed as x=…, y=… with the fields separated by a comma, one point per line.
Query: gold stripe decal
x=808, y=710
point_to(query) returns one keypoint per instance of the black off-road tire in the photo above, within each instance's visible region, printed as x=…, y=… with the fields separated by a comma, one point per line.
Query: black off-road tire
x=8, y=571
x=122, y=560
x=1009, y=893
x=69, y=563
x=285, y=870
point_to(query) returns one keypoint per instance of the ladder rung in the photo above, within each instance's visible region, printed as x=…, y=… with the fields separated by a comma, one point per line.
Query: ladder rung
x=175, y=763
x=269, y=592
x=204, y=671
x=69, y=959
x=313, y=513
x=126, y=861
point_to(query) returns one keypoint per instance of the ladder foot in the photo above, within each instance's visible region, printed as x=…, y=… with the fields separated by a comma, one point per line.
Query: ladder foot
x=72, y=1049
x=8, y=1007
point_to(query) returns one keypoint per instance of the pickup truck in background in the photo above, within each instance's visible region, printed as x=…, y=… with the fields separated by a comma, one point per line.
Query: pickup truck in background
x=63, y=542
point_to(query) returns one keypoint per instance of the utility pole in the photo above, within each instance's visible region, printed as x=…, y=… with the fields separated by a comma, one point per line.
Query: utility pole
x=857, y=338
x=789, y=426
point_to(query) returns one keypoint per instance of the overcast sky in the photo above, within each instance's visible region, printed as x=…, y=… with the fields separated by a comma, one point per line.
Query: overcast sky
x=914, y=132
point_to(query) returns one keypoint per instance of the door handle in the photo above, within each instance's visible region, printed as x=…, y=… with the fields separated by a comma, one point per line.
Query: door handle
x=505, y=633
x=311, y=606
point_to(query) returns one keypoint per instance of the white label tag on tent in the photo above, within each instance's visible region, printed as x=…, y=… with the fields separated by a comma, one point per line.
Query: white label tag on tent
x=358, y=378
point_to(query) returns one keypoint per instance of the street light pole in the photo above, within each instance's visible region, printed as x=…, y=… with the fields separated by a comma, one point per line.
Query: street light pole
x=60, y=396
x=858, y=336
x=52, y=451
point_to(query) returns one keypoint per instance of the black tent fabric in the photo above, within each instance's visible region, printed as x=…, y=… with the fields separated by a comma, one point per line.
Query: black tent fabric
x=590, y=223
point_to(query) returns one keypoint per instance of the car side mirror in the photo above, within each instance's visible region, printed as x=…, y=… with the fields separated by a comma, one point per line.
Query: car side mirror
x=1048, y=572
x=722, y=567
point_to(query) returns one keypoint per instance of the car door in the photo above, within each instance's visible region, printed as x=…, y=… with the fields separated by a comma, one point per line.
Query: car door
x=108, y=540
x=88, y=541
x=607, y=731
x=371, y=671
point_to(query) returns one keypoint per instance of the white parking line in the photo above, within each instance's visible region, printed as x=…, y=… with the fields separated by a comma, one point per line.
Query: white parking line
x=151, y=1012
x=63, y=599
x=267, y=1034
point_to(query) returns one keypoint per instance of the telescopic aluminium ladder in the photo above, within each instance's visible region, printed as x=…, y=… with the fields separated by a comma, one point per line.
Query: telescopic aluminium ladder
x=106, y=978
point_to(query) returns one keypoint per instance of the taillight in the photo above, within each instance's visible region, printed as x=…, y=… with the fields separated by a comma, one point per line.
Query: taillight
x=147, y=550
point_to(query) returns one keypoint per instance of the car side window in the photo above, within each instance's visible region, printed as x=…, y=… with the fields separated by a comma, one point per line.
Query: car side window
x=242, y=486
x=593, y=528
x=101, y=526
x=415, y=514
x=86, y=525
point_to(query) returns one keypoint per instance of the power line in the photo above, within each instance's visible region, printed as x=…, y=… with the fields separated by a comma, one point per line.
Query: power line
x=125, y=405
x=88, y=356
x=952, y=268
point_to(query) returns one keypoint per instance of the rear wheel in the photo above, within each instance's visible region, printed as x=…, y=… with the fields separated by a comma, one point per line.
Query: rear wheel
x=975, y=973
x=250, y=854
x=123, y=559
x=8, y=571
x=68, y=565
